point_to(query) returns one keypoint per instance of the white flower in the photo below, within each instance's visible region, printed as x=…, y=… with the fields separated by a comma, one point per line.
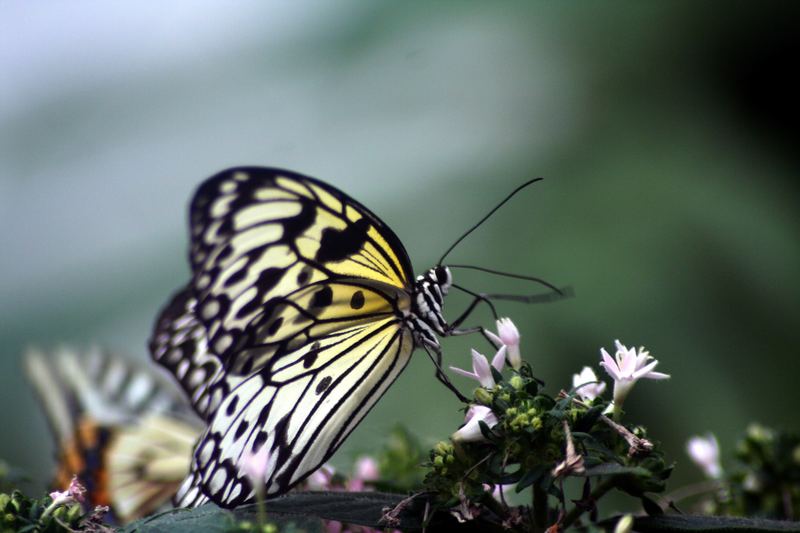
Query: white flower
x=481, y=371
x=627, y=367
x=704, y=451
x=508, y=336
x=587, y=385
x=471, y=430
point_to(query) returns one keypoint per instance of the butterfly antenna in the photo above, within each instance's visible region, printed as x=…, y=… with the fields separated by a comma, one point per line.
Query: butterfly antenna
x=510, y=275
x=490, y=213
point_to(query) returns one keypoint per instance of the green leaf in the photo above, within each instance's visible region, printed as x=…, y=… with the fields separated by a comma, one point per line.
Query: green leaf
x=614, y=469
x=302, y=510
x=678, y=523
x=530, y=477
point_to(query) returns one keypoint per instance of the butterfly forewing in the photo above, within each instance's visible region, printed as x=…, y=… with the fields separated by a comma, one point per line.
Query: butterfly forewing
x=261, y=236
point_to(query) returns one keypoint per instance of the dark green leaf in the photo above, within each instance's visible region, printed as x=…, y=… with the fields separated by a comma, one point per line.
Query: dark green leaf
x=530, y=477
x=651, y=507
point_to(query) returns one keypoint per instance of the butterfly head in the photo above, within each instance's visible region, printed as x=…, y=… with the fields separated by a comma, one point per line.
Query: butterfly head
x=429, y=292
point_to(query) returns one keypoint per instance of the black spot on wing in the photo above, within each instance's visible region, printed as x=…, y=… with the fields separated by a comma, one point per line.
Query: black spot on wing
x=324, y=384
x=311, y=357
x=323, y=297
x=357, y=300
x=259, y=441
x=336, y=245
x=294, y=226
x=275, y=326
x=243, y=425
x=232, y=406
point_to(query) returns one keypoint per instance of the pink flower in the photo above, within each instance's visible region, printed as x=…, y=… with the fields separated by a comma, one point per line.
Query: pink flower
x=704, y=451
x=321, y=479
x=471, y=430
x=366, y=471
x=481, y=371
x=627, y=367
x=256, y=466
x=508, y=334
x=587, y=385
x=74, y=493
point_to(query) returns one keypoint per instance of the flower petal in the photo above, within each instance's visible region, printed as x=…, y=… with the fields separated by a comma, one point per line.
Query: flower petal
x=499, y=360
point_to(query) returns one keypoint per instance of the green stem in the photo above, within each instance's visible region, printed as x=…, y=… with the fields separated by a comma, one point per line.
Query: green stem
x=597, y=493
x=262, y=513
x=539, y=508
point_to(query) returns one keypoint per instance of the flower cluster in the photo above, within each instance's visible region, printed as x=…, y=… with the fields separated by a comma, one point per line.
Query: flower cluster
x=764, y=479
x=60, y=511
x=514, y=434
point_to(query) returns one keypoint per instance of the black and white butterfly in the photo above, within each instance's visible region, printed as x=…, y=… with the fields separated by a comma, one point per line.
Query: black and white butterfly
x=302, y=309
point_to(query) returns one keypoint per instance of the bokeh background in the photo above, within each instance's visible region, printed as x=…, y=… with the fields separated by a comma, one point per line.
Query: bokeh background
x=667, y=133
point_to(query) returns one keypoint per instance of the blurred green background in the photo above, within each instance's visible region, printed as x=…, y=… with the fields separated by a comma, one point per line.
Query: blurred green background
x=667, y=134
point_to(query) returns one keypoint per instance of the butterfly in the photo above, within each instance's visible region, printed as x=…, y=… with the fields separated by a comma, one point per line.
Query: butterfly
x=126, y=433
x=301, y=310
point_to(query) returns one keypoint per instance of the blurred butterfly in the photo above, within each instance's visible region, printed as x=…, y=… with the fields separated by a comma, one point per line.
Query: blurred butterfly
x=301, y=310
x=124, y=432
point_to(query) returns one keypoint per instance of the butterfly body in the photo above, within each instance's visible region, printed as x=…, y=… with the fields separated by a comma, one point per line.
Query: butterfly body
x=308, y=303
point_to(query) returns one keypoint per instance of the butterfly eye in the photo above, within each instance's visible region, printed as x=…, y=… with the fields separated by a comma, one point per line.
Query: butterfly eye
x=443, y=277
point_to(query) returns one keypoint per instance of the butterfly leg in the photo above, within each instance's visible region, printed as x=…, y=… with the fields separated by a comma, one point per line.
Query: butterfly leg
x=476, y=329
x=440, y=375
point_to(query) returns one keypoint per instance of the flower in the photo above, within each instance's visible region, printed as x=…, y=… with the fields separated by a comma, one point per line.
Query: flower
x=627, y=367
x=508, y=336
x=256, y=466
x=587, y=385
x=321, y=479
x=471, y=430
x=704, y=451
x=481, y=371
x=74, y=493
x=365, y=471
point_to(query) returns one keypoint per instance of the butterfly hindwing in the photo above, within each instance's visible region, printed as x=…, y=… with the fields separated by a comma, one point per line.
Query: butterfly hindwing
x=302, y=415
x=179, y=344
x=260, y=237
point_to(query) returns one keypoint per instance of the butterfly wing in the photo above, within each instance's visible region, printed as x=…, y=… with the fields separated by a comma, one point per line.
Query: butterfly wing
x=300, y=413
x=116, y=426
x=302, y=293
x=179, y=344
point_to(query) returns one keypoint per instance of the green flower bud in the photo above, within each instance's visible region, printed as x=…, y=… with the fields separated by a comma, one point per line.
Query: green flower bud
x=9, y=518
x=450, y=459
x=624, y=525
x=536, y=423
x=506, y=397
x=442, y=447
x=483, y=396
x=796, y=455
x=270, y=528
x=74, y=514
x=511, y=411
x=438, y=461
x=517, y=382
x=4, y=500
